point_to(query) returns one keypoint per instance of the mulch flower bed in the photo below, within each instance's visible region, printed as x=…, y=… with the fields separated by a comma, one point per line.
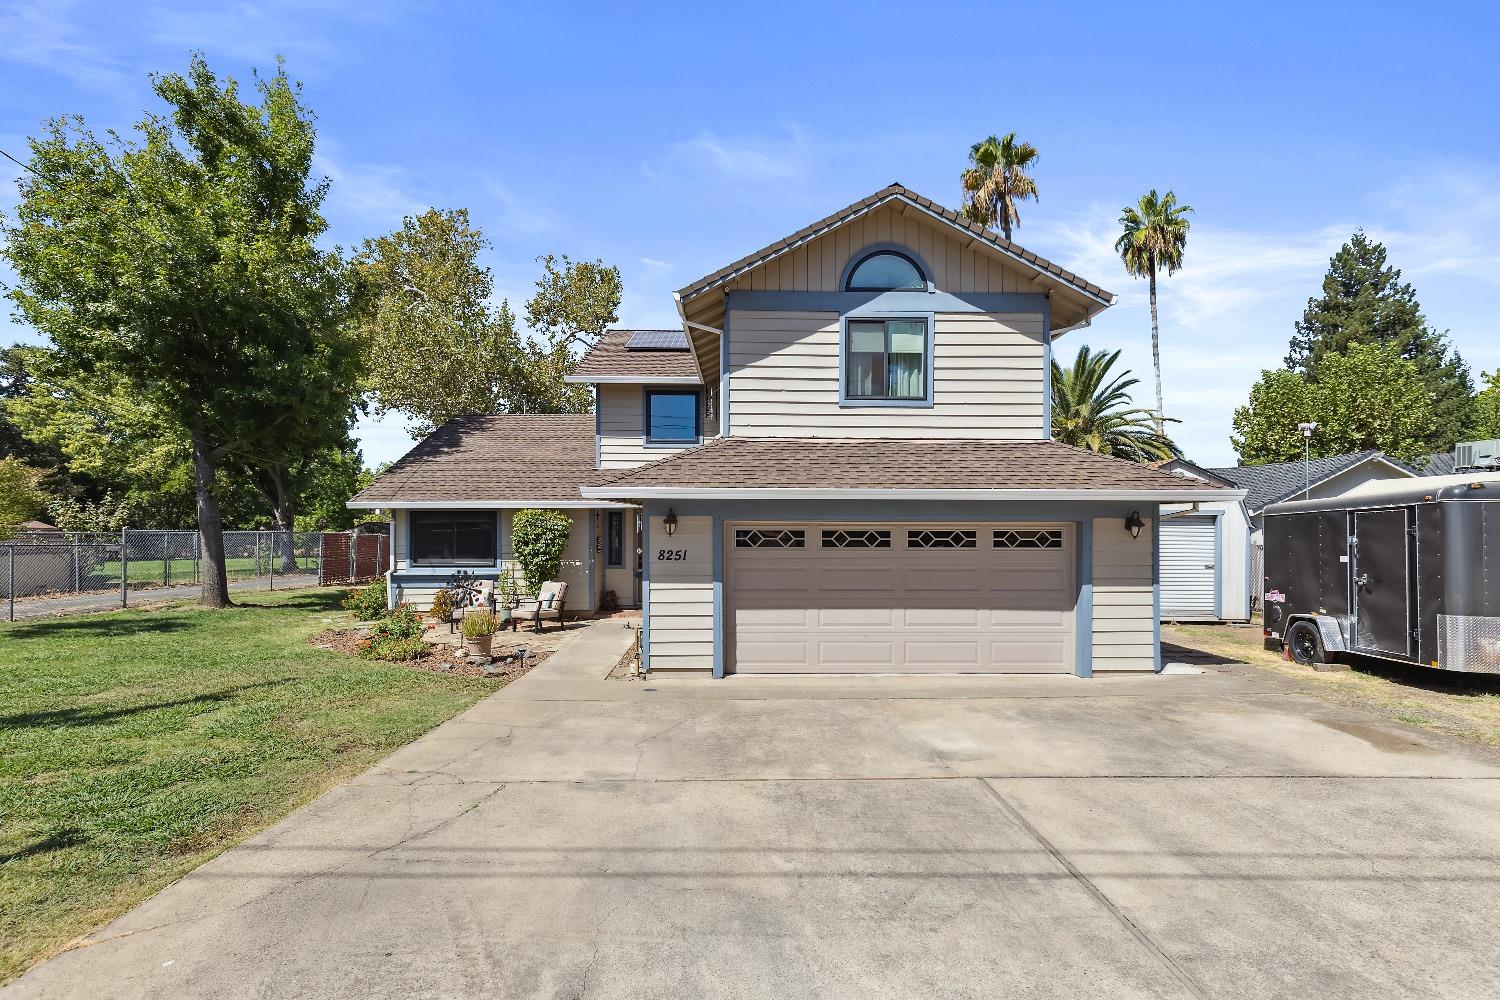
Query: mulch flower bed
x=440, y=658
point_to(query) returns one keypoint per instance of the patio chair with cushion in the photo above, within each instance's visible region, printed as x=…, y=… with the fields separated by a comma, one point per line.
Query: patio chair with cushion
x=549, y=606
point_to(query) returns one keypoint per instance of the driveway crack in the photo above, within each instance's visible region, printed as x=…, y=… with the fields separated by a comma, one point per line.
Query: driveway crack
x=1176, y=971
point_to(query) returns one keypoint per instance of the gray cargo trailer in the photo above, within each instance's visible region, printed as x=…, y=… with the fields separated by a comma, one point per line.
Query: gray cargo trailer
x=1405, y=570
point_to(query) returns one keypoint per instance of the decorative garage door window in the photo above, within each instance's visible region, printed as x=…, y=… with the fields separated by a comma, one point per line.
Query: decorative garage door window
x=856, y=538
x=770, y=538
x=942, y=538
x=1028, y=538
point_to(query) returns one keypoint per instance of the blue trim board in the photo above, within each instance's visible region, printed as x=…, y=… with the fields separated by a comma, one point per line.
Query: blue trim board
x=593, y=516
x=875, y=303
x=926, y=402
x=1047, y=371
x=598, y=428
x=724, y=378
x=1156, y=586
x=1083, y=615
x=646, y=590
x=718, y=528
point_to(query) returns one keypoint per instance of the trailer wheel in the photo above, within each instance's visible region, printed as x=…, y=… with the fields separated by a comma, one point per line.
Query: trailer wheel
x=1306, y=645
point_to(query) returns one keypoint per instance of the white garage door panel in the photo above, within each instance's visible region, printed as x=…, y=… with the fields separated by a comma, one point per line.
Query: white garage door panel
x=899, y=610
x=1189, y=558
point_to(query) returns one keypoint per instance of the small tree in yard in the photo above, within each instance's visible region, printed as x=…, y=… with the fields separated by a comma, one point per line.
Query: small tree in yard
x=539, y=538
x=183, y=266
x=21, y=496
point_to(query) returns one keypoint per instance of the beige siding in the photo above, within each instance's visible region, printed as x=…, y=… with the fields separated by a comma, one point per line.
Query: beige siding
x=575, y=566
x=681, y=596
x=1124, y=599
x=621, y=443
x=955, y=266
x=987, y=379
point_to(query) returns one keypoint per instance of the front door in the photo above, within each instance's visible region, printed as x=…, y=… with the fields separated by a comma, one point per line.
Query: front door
x=1380, y=581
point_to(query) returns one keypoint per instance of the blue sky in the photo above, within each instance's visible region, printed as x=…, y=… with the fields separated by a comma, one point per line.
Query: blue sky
x=672, y=138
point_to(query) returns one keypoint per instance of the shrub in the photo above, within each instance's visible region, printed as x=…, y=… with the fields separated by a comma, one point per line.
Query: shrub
x=367, y=603
x=392, y=649
x=477, y=624
x=442, y=606
x=403, y=623
x=539, y=538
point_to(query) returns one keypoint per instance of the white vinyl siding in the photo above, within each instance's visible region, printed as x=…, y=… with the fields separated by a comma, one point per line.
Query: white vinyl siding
x=987, y=379
x=1124, y=597
x=681, y=596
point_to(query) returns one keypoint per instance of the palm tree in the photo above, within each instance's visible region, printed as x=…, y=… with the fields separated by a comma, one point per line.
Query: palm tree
x=1092, y=409
x=1155, y=236
x=997, y=180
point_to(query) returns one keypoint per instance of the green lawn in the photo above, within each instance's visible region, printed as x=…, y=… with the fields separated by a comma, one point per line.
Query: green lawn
x=149, y=571
x=137, y=744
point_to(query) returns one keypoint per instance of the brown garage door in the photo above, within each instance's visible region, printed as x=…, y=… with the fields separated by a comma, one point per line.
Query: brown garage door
x=899, y=598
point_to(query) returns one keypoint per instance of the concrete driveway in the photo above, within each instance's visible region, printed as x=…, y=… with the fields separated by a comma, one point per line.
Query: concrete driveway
x=1173, y=836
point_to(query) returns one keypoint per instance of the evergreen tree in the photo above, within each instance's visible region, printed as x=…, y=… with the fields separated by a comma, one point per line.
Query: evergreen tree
x=1364, y=301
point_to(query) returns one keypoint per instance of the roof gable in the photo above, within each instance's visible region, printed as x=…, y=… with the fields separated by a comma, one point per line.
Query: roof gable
x=1268, y=484
x=612, y=359
x=1042, y=275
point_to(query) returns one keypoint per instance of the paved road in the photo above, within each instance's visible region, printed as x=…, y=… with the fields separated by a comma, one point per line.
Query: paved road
x=1178, y=837
x=108, y=600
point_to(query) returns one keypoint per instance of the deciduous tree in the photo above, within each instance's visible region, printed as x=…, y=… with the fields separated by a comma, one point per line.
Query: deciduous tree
x=183, y=261
x=1366, y=397
x=21, y=494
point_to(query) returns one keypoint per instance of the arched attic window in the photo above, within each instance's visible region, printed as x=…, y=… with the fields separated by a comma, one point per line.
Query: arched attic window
x=885, y=271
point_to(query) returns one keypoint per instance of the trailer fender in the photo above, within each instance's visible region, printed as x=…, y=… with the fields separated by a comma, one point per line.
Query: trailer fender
x=1330, y=630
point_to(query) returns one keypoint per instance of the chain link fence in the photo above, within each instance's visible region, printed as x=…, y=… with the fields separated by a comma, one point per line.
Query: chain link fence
x=51, y=572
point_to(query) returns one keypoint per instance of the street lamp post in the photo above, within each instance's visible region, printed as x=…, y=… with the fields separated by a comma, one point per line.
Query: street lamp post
x=1307, y=433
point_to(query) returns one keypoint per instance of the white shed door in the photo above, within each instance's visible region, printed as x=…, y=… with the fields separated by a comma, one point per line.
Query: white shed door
x=899, y=598
x=1189, y=567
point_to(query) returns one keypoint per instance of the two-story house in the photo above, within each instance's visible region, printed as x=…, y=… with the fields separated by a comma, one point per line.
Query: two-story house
x=840, y=463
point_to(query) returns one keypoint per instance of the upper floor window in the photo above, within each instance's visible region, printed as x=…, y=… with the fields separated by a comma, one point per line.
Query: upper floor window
x=885, y=360
x=453, y=537
x=884, y=271
x=672, y=416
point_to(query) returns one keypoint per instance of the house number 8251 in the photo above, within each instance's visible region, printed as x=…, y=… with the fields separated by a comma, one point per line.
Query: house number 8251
x=671, y=555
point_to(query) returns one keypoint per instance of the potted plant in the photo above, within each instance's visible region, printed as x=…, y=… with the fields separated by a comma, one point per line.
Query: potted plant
x=507, y=597
x=478, y=628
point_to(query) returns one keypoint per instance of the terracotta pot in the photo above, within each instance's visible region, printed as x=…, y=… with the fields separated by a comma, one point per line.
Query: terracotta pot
x=479, y=646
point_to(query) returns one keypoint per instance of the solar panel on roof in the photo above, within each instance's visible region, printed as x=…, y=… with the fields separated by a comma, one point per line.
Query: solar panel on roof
x=657, y=340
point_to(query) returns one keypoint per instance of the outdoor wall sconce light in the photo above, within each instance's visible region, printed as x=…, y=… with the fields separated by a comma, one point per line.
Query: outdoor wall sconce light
x=1133, y=524
x=670, y=522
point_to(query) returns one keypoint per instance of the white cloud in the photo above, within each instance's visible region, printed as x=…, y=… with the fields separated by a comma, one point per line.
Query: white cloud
x=45, y=35
x=781, y=156
x=377, y=195
x=1228, y=313
x=513, y=213
x=656, y=266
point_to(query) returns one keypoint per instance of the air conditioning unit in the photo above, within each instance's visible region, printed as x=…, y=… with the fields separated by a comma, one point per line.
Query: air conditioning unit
x=1476, y=455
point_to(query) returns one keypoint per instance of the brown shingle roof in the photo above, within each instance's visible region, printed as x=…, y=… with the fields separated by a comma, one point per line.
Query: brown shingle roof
x=897, y=190
x=609, y=359
x=492, y=458
x=892, y=463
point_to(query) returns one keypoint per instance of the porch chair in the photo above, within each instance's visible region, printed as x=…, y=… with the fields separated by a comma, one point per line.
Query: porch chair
x=550, y=603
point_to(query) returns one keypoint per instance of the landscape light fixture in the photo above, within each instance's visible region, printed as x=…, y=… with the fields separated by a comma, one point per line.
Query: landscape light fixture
x=670, y=522
x=1134, y=524
x=1307, y=433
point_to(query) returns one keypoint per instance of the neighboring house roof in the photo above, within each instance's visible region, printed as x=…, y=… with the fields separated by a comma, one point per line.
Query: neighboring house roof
x=1268, y=484
x=496, y=460
x=889, y=466
x=35, y=526
x=896, y=191
x=612, y=359
x=1441, y=464
x=1182, y=467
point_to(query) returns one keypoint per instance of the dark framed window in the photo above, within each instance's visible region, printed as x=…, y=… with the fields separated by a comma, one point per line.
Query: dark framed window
x=614, y=538
x=886, y=271
x=672, y=416
x=886, y=359
x=453, y=536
